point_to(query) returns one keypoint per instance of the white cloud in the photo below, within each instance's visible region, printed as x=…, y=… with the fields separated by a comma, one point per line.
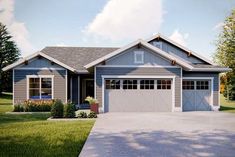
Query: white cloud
x=16, y=29
x=218, y=26
x=132, y=19
x=179, y=37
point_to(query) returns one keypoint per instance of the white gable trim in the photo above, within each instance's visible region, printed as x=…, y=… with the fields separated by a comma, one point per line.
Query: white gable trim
x=180, y=46
x=21, y=61
x=145, y=44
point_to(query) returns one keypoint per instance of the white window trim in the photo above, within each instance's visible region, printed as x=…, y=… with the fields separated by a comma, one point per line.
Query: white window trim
x=40, y=76
x=136, y=53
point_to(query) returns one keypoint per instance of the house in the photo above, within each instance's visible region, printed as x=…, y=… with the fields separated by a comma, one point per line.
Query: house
x=154, y=75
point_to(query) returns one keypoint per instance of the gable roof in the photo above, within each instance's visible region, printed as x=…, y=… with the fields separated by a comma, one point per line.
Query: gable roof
x=179, y=46
x=145, y=44
x=77, y=57
x=21, y=61
x=71, y=58
x=80, y=59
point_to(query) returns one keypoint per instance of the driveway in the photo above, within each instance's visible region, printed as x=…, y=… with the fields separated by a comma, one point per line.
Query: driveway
x=179, y=134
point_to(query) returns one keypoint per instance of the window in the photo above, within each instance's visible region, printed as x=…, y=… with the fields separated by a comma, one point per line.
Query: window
x=39, y=87
x=34, y=88
x=188, y=85
x=129, y=84
x=112, y=84
x=146, y=84
x=163, y=84
x=139, y=57
x=202, y=85
x=46, y=90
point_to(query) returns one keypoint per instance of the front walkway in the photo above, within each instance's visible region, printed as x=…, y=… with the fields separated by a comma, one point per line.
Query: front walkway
x=179, y=134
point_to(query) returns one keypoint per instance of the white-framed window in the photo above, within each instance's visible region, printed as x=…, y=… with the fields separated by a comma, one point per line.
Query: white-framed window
x=112, y=84
x=188, y=85
x=202, y=85
x=146, y=84
x=139, y=57
x=129, y=84
x=164, y=84
x=40, y=86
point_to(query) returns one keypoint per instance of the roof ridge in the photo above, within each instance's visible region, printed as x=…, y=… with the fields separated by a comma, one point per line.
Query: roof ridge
x=78, y=47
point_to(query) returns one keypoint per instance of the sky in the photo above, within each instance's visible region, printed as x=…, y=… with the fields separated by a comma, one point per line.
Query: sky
x=36, y=24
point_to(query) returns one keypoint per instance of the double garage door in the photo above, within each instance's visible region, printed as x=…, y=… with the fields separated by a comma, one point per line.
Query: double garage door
x=138, y=95
x=196, y=95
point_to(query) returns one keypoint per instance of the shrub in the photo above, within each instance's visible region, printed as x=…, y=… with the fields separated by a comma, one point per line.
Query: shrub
x=57, y=109
x=38, y=105
x=18, y=108
x=82, y=115
x=92, y=115
x=34, y=106
x=69, y=110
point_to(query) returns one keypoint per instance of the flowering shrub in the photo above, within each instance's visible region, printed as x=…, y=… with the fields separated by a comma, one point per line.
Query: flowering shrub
x=91, y=100
x=34, y=106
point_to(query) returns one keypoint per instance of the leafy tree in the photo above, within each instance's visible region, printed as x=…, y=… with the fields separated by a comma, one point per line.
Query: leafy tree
x=225, y=53
x=9, y=53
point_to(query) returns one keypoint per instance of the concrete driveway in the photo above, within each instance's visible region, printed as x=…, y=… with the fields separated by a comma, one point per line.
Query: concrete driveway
x=182, y=134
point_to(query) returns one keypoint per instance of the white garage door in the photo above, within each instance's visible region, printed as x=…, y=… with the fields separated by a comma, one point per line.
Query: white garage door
x=138, y=95
x=196, y=95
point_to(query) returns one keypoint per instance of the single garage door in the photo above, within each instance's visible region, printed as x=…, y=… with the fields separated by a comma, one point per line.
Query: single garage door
x=138, y=95
x=196, y=95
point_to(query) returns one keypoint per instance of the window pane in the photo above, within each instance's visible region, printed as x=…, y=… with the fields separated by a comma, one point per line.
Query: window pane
x=34, y=83
x=141, y=86
x=46, y=82
x=34, y=94
x=46, y=93
x=158, y=86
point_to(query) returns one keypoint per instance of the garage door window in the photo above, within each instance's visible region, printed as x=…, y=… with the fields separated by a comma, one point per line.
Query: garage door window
x=129, y=84
x=163, y=84
x=112, y=84
x=188, y=85
x=202, y=85
x=146, y=84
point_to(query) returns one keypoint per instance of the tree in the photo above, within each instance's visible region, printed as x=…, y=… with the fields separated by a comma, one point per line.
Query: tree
x=9, y=53
x=225, y=53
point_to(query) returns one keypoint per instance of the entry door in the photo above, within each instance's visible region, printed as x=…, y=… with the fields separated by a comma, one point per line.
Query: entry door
x=196, y=95
x=89, y=88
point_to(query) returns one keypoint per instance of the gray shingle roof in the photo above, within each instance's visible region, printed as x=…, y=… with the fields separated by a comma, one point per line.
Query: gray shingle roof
x=77, y=57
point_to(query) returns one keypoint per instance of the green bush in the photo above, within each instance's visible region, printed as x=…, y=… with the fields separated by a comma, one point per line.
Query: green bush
x=92, y=115
x=69, y=110
x=57, y=109
x=82, y=115
x=18, y=108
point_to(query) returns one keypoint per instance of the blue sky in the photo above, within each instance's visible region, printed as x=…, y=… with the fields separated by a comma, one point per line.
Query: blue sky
x=35, y=24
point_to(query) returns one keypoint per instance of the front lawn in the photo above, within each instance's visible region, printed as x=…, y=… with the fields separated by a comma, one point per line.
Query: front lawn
x=32, y=135
x=228, y=106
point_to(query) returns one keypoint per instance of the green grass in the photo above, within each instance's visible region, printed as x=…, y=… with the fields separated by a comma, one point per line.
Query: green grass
x=32, y=135
x=228, y=106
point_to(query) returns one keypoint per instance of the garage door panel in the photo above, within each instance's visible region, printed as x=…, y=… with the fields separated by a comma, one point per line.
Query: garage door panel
x=203, y=100
x=138, y=100
x=196, y=95
x=188, y=100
